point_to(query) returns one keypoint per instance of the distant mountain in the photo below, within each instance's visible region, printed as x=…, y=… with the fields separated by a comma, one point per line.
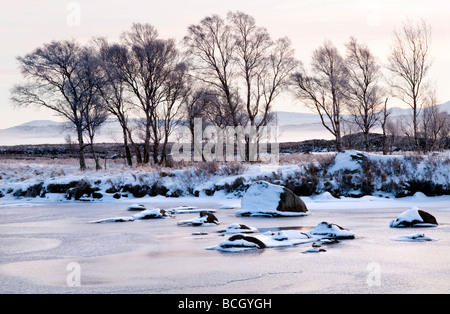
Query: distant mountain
x=397, y=111
x=293, y=127
x=445, y=106
x=51, y=132
x=34, y=132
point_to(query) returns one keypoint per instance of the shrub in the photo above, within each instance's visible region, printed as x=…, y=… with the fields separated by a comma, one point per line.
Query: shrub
x=237, y=187
x=232, y=168
x=206, y=167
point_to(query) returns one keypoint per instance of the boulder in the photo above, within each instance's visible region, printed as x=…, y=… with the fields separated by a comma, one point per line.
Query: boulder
x=420, y=237
x=151, y=213
x=242, y=241
x=114, y=219
x=238, y=228
x=136, y=207
x=331, y=231
x=265, y=199
x=205, y=219
x=414, y=217
x=189, y=209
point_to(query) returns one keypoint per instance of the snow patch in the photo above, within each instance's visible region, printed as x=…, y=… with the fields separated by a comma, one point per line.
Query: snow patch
x=419, y=237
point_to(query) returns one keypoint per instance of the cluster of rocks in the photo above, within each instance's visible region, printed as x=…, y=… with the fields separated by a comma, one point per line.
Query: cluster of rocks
x=265, y=199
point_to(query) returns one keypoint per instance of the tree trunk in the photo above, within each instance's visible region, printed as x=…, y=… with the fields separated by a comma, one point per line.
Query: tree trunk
x=416, y=135
x=366, y=139
x=81, y=147
x=94, y=154
x=127, y=149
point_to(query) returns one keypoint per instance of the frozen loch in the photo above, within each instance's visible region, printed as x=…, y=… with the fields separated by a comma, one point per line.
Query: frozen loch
x=157, y=249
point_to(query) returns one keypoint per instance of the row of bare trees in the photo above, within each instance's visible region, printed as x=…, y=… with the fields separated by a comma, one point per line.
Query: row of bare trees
x=354, y=85
x=227, y=71
x=142, y=75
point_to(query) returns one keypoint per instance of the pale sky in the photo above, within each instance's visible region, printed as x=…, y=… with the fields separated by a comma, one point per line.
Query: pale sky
x=28, y=24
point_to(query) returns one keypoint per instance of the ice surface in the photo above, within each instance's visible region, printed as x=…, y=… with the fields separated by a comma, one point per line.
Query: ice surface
x=158, y=256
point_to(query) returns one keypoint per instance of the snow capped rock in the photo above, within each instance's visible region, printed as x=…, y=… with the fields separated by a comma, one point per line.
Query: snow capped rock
x=331, y=230
x=151, y=213
x=114, y=219
x=266, y=199
x=414, y=217
x=239, y=242
x=420, y=237
x=205, y=219
x=284, y=235
x=238, y=228
x=285, y=238
x=314, y=250
x=136, y=207
x=347, y=160
x=189, y=209
x=268, y=239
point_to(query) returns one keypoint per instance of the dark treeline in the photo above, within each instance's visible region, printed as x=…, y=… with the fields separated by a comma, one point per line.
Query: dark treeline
x=227, y=71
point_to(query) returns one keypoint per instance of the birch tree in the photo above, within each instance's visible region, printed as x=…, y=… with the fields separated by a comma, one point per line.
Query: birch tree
x=409, y=63
x=55, y=79
x=325, y=90
x=365, y=94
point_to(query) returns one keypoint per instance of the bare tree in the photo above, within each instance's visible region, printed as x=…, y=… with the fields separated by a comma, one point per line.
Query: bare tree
x=114, y=92
x=197, y=105
x=365, y=93
x=169, y=111
x=384, y=126
x=409, y=62
x=242, y=65
x=264, y=66
x=433, y=123
x=55, y=79
x=326, y=91
x=211, y=47
x=94, y=113
x=148, y=70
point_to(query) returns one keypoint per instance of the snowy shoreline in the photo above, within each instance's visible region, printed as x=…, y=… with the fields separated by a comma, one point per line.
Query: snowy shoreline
x=349, y=174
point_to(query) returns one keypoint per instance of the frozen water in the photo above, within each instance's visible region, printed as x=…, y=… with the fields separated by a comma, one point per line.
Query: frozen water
x=39, y=240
